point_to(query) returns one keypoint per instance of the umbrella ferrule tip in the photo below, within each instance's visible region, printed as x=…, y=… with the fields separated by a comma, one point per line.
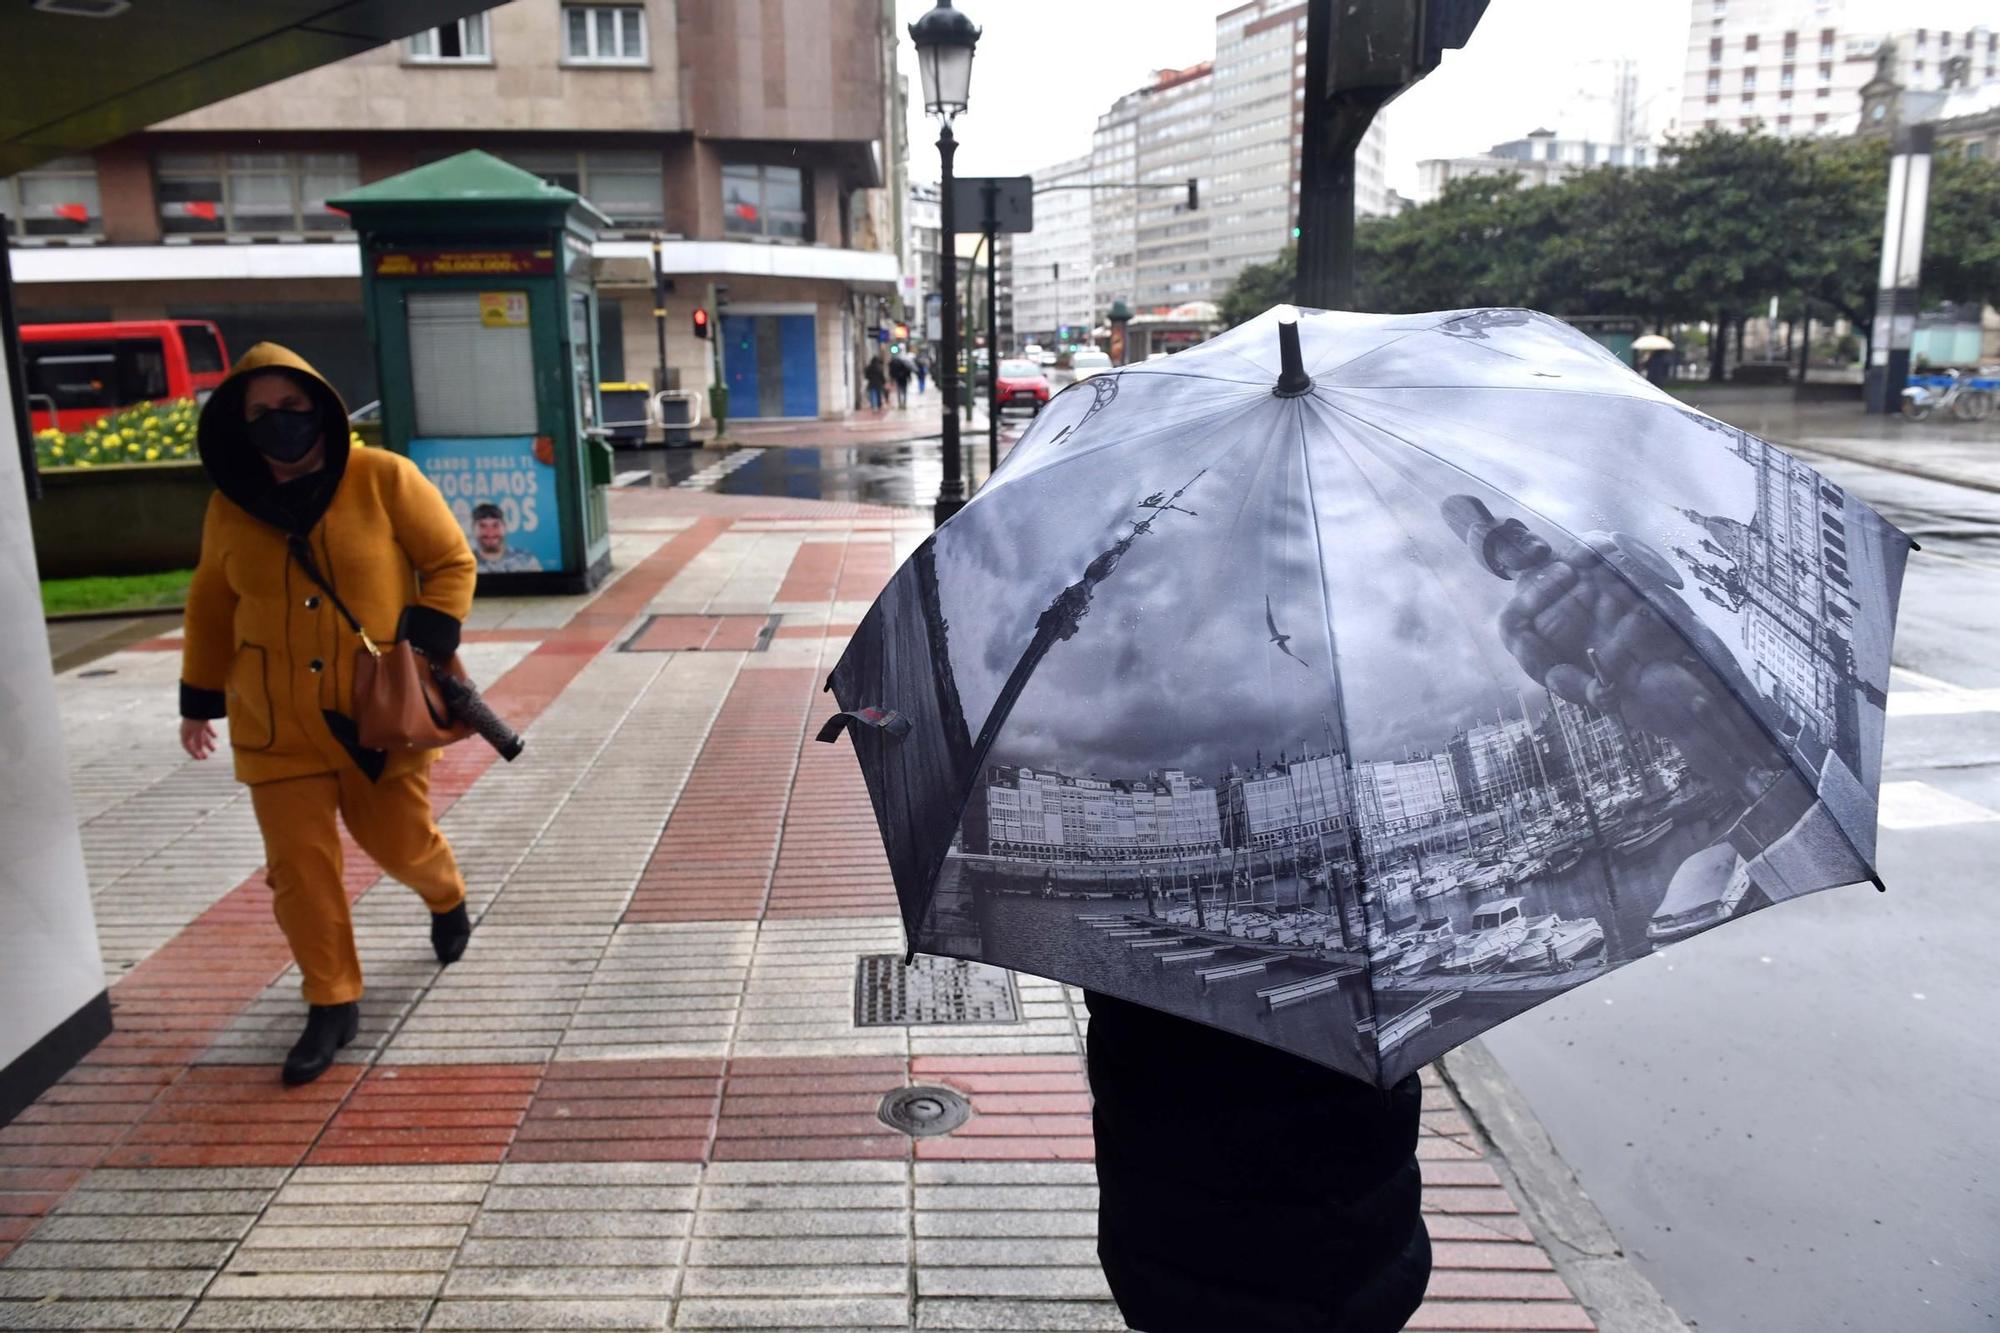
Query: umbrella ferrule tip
x=1292, y=378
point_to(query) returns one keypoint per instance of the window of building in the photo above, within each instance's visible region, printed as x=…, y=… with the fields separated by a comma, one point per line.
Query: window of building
x=1823, y=92
x=1749, y=83
x=762, y=200
x=1825, y=72
x=604, y=34
x=1918, y=65
x=1944, y=41
x=624, y=184
x=1714, y=50
x=114, y=372
x=1791, y=42
x=252, y=193
x=1819, y=119
x=1923, y=36
x=1750, y=42
x=1785, y=80
x=461, y=41
x=58, y=198
x=1714, y=86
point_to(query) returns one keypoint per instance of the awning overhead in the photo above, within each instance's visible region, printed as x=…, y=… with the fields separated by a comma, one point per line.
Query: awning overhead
x=73, y=82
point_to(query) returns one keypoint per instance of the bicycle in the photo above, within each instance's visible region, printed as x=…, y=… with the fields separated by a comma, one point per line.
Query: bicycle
x=1966, y=400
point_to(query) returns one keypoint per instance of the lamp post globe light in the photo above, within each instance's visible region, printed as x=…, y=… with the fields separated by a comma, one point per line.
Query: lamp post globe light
x=944, y=39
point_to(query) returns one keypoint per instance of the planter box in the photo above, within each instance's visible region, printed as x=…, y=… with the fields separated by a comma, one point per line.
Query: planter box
x=122, y=518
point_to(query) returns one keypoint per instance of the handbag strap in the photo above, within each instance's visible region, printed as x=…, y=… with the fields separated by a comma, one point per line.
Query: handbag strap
x=303, y=554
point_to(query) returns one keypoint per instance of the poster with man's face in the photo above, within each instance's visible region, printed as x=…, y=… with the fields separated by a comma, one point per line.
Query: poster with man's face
x=503, y=496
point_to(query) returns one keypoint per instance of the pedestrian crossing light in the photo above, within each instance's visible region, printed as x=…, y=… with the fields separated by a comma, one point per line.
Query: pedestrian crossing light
x=700, y=322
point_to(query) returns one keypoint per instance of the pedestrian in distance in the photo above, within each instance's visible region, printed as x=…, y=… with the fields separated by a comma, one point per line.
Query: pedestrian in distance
x=923, y=371
x=873, y=376
x=899, y=371
x=267, y=648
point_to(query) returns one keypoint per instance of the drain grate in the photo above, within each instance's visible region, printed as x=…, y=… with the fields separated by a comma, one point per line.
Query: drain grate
x=921, y=1112
x=929, y=990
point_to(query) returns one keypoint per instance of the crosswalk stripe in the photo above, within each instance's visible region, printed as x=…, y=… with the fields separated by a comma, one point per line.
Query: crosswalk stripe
x=1915, y=805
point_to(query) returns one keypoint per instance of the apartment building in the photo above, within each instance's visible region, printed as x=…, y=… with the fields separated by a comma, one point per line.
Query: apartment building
x=1175, y=143
x=1051, y=265
x=1797, y=67
x=1259, y=108
x=1542, y=158
x=763, y=141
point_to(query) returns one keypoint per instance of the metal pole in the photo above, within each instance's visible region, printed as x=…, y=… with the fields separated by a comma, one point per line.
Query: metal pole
x=951, y=490
x=1326, y=177
x=992, y=347
x=660, y=316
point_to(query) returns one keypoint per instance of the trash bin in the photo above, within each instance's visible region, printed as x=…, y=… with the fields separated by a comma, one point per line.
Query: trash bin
x=624, y=418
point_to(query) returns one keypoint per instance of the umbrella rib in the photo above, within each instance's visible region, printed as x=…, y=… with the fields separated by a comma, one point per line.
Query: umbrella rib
x=1347, y=747
x=1756, y=714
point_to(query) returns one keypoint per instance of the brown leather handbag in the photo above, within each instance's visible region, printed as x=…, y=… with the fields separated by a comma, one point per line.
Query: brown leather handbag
x=398, y=704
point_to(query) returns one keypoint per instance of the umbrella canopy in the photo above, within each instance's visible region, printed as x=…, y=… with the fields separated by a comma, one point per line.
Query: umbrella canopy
x=1359, y=708
x=1652, y=342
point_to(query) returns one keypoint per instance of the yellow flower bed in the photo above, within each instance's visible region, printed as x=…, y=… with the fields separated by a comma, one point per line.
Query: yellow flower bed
x=148, y=433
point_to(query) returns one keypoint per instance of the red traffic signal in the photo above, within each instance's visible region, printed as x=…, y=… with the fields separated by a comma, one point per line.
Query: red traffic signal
x=700, y=322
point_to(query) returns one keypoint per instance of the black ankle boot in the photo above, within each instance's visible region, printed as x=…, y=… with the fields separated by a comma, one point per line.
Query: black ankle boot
x=328, y=1028
x=449, y=932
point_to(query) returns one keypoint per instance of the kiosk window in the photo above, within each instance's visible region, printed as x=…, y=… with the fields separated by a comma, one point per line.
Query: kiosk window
x=471, y=374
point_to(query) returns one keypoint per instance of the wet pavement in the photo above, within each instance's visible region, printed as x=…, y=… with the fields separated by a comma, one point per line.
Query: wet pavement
x=1788, y=1123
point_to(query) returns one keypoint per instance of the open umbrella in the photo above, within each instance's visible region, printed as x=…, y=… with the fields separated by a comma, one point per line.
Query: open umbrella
x=1652, y=342
x=1356, y=684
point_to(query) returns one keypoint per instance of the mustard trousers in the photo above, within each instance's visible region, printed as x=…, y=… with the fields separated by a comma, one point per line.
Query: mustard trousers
x=390, y=820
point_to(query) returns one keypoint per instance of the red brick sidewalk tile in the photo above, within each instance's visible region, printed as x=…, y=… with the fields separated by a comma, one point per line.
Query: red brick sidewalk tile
x=780, y=1109
x=621, y=1111
x=428, y=1113
x=814, y=573
x=1025, y=1108
x=1487, y=1317
x=830, y=862
x=714, y=859
x=234, y=1116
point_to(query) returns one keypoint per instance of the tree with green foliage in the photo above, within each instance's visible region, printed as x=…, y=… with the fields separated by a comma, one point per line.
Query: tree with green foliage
x=1258, y=287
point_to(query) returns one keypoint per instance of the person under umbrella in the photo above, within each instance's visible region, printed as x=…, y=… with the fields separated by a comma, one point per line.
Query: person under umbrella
x=1329, y=688
x=899, y=372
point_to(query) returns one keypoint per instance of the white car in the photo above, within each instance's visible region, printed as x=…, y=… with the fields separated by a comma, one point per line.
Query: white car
x=1083, y=365
x=1046, y=357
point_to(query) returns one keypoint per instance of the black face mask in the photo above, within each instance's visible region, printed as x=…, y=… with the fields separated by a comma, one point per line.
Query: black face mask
x=284, y=436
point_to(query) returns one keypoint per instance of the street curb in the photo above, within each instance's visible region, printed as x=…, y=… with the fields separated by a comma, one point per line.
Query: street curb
x=1564, y=1220
x=1946, y=475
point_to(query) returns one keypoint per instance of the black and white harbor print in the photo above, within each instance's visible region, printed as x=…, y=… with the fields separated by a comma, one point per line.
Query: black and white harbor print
x=1359, y=721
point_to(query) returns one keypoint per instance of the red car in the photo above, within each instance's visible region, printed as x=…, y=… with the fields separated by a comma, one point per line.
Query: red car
x=1021, y=382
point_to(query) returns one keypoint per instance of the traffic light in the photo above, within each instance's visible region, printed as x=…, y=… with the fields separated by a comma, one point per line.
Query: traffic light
x=700, y=322
x=1194, y=194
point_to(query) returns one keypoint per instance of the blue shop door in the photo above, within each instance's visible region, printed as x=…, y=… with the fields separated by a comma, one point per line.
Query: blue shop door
x=801, y=361
x=771, y=364
x=739, y=363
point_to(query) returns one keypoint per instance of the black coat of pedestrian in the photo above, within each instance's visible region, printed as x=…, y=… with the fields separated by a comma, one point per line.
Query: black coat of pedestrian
x=899, y=371
x=871, y=373
x=1240, y=1187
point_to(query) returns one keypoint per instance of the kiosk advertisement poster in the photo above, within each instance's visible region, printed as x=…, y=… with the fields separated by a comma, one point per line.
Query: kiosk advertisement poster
x=503, y=495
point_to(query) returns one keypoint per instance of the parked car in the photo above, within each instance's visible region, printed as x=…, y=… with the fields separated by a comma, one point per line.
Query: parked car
x=1046, y=357
x=1021, y=382
x=1085, y=364
x=80, y=372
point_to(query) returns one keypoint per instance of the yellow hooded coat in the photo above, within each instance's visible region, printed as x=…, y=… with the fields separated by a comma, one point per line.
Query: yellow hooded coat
x=265, y=646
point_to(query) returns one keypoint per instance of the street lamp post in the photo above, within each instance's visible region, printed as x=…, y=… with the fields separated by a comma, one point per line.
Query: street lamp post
x=945, y=39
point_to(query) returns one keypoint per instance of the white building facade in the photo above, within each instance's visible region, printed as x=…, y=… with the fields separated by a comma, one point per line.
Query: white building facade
x=1051, y=265
x=1796, y=67
x=1541, y=158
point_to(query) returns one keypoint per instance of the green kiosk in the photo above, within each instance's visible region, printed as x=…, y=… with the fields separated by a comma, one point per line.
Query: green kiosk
x=476, y=278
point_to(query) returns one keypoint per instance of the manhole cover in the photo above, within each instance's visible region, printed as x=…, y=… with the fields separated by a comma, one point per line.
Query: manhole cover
x=928, y=990
x=921, y=1112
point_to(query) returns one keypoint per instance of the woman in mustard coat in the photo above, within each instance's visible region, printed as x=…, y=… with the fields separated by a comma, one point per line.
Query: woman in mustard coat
x=266, y=648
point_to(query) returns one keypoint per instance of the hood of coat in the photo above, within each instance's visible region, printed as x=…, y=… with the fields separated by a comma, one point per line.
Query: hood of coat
x=239, y=470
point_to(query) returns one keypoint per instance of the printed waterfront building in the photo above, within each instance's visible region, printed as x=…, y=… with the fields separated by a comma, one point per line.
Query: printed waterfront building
x=1035, y=814
x=1493, y=763
x=1406, y=793
x=1287, y=804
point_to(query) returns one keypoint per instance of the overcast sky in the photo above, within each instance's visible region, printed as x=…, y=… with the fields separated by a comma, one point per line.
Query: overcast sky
x=1046, y=68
